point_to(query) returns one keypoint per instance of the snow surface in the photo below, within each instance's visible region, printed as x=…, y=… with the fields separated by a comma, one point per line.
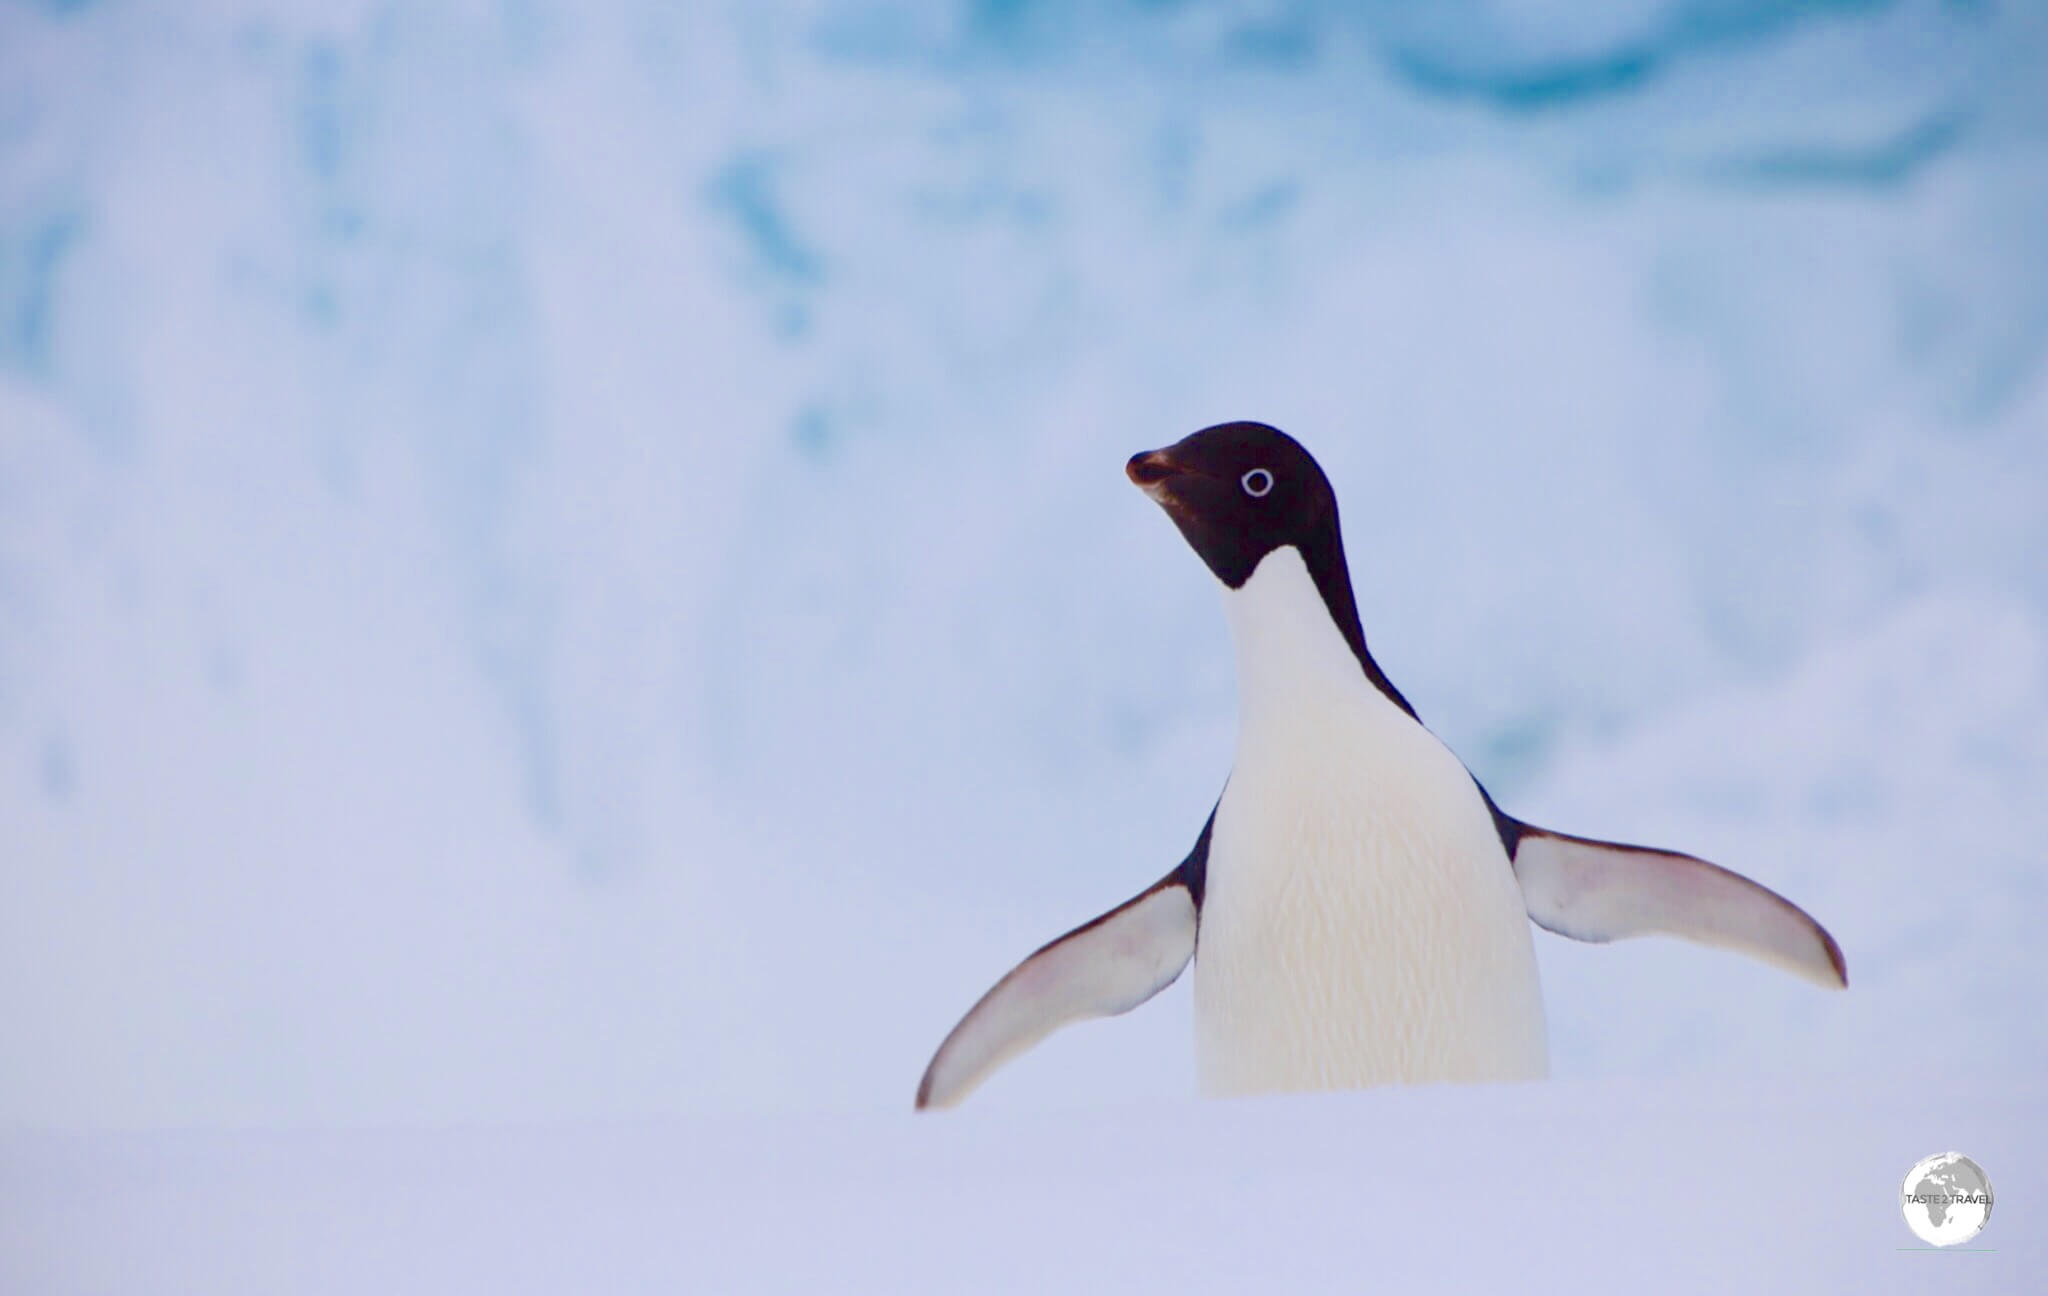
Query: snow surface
x=568, y=563
x=1573, y=1186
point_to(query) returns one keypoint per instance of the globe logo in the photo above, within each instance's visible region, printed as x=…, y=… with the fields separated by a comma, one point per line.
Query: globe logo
x=1947, y=1199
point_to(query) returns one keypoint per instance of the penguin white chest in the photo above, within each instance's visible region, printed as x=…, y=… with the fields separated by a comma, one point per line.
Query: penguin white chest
x=1361, y=923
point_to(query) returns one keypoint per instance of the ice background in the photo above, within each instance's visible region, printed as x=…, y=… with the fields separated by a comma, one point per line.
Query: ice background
x=569, y=563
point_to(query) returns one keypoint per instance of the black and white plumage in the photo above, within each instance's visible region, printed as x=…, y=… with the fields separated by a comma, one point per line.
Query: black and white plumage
x=1360, y=905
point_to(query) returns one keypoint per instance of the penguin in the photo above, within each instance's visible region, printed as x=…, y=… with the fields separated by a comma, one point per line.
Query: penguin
x=1356, y=906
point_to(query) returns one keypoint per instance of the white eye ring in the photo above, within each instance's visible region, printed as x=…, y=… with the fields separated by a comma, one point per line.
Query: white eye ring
x=1256, y=483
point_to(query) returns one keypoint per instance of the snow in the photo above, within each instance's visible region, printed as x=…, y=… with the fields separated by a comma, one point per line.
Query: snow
x=566, y=568
x=1595, y=1187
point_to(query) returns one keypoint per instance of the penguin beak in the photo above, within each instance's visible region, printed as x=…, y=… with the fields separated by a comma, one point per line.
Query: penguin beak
x=1150, y=471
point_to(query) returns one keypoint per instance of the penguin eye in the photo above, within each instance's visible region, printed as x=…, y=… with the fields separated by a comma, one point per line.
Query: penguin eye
x=1256, y=482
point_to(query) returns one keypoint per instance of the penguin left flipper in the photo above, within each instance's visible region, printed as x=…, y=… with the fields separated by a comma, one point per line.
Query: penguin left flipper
x=1601, y=891
x=1099, y=969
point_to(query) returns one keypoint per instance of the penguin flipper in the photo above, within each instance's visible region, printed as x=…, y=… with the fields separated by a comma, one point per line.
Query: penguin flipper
x=1601, y=891
x=1099, y=969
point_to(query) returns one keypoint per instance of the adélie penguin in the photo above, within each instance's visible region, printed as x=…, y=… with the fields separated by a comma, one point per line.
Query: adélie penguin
x=1357, y=907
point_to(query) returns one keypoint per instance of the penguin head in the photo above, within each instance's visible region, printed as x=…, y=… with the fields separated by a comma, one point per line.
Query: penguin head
x=1238, y=491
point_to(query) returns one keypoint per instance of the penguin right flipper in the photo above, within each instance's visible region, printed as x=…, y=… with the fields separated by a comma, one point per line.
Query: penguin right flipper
x=1099, y=969
x=1601, y=891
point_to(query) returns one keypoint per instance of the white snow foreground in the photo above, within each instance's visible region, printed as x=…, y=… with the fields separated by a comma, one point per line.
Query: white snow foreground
x=1697, y=1187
